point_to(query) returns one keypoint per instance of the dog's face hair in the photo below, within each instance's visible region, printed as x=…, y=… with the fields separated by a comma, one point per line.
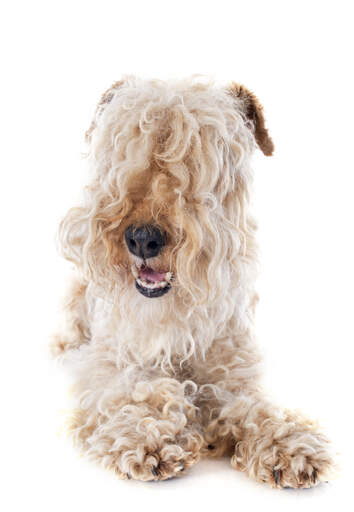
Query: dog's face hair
x=166, y=213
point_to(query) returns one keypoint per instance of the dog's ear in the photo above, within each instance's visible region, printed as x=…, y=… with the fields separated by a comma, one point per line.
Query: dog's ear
x=106, y=98
x=254, y=112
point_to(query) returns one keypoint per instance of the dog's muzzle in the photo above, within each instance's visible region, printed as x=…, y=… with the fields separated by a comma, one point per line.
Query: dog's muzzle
x=146, y=242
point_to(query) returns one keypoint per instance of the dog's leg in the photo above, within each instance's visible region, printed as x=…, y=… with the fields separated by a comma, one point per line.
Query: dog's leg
x=270, y=444
x=75, y=326
x=276, y=446
x=150, y=433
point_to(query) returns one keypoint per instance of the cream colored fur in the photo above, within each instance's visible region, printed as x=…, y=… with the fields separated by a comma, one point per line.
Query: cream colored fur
x=160, y=382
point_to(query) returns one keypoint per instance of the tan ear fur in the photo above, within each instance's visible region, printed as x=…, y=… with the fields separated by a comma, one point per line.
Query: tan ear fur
x=254, y=112
x=105, y=99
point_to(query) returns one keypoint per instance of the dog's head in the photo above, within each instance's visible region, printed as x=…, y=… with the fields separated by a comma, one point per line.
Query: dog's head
x=166, y=211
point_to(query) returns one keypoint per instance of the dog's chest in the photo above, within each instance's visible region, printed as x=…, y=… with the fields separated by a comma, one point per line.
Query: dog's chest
x=144, y=334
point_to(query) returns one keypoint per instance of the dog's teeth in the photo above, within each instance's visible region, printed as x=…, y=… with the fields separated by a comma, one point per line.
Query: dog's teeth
x=168, y=276
x=151, y=286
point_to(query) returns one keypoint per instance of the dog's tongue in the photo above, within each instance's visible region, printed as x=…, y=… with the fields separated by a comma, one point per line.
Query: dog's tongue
x=151, y=275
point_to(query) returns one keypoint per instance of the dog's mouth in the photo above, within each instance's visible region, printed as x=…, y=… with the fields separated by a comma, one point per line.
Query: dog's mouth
x=151, y=283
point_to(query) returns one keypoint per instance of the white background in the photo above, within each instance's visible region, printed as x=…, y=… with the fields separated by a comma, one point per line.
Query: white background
x=57, y=58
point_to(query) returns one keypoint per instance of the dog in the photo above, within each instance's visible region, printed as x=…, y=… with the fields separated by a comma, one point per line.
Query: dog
x=158, y=320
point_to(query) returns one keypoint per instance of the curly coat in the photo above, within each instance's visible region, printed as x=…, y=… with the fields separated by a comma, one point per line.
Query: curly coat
x=162, y=381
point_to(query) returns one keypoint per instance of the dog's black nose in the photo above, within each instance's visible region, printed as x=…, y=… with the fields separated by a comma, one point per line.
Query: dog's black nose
x=144, y=241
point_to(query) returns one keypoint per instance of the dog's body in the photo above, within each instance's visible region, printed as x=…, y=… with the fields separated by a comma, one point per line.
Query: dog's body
x=159, y=316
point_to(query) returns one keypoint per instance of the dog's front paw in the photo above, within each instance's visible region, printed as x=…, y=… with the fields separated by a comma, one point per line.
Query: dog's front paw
x=299, y=471
x=164, y=463
x=298, y=458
